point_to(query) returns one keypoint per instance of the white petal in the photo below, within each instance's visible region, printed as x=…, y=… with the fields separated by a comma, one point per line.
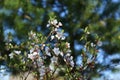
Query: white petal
x=61, y=53
x=17, y=52
x=48, y=25
x=63, y=38
x=52, y=37
x=47, y=51
x=56, y=51
x=35, y=53
x=55, y=22
x=60, y=24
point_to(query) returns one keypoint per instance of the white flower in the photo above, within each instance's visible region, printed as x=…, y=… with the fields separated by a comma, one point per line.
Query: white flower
x=11, y=55
x=54, y=59
x=55, y=22
x=69, y=59
x=92, y=45
x=72, y=63
x=43, y=45
x=63, y=38
x=52, y=37
x=60, y=35
x=56, y=51
x=67, y=45
x=59, y=24
x=35, y=53
x=61, y=53
x=32, y=35
x=47, y=50
x=68, y=54
x=56, y=29
x=17, y=52
x=48, y=25
x=30, y=56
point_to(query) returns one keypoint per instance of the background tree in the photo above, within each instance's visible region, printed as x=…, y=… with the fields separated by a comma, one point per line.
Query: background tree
x=100, y=16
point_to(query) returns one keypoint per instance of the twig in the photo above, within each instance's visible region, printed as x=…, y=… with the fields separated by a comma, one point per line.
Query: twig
x=27, y=75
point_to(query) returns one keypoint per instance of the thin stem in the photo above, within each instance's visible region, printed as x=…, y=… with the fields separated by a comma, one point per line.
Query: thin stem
x=37, y=71
x=53, y=73
x=27, y=75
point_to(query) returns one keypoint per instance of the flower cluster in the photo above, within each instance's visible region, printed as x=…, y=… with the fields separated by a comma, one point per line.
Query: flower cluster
x=57, y=32
x=52, y=51
x=34, y=53
x=45, y=53
x=15, y=52
x=54, y=22
x=32, y=35
x=47, y=56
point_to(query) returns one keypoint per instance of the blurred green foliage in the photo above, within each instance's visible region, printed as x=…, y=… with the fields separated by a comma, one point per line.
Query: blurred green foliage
x=100, y=16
